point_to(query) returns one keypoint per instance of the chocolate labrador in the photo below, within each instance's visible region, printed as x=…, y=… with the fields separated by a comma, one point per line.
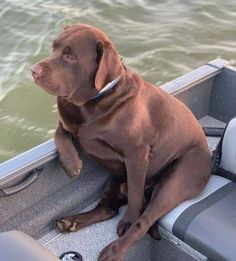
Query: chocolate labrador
x=150, y=142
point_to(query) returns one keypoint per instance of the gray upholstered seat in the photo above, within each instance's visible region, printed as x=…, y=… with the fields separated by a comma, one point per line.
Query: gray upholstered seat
x=17, y=246
x=208, y=222
x=228, y=157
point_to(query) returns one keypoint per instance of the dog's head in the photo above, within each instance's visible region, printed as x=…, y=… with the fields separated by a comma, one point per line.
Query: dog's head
x=82, y=62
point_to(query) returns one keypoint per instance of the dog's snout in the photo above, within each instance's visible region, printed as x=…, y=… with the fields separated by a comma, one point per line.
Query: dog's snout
x=37, y=70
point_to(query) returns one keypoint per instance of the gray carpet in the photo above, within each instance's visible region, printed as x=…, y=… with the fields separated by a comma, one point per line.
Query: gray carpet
x=91, y=240
x=34, y=209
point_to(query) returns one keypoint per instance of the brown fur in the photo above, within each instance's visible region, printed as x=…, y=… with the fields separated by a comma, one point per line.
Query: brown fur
x=150, y=142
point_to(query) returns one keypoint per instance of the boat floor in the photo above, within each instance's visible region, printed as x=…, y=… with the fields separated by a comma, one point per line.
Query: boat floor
x=91, y=240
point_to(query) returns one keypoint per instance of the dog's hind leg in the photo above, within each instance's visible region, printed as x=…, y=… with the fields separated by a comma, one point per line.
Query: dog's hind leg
x=186, y=180
x=108, y=207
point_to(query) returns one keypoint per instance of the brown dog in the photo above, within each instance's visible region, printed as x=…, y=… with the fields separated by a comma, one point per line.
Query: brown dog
x=148, y=140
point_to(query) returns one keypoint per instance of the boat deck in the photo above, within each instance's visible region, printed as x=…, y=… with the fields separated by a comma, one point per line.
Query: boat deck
x=91, y=240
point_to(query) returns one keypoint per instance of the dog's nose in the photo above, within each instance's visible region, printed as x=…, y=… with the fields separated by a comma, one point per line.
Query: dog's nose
x=37, y=70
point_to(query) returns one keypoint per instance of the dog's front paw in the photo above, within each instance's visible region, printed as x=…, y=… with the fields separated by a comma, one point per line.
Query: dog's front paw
x=71, y=167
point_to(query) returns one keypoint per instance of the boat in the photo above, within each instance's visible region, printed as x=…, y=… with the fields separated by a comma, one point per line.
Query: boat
x=35, y=191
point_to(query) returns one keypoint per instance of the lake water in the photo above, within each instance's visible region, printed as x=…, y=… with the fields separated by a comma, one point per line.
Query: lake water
x=158, y=39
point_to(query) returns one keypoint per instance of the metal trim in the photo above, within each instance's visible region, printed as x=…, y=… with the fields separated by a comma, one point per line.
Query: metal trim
x=181, y=245
x=27, y=161
x=203, y=73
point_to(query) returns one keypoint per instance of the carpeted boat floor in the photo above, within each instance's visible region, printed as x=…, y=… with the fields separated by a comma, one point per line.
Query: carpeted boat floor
x=91, y=240
x=34, y=209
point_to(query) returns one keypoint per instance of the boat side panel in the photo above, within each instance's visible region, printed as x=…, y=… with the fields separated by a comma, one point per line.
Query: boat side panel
x=197, y=98
x=223, y=101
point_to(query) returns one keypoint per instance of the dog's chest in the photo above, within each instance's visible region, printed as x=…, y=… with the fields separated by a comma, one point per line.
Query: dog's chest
x=96, y=142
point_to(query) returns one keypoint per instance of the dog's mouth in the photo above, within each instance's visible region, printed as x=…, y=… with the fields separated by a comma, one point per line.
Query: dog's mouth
x=48, y=85
x=35, y=79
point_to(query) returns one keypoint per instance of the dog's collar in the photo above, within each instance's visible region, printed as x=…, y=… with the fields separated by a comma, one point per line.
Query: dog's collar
x=106, y=88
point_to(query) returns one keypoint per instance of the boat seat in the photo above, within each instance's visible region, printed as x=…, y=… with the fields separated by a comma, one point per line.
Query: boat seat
x=207, y=223
x=225, y=154
x=17, y=246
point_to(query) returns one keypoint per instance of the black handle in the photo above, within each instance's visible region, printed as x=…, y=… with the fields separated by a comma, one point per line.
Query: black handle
x=213, y=131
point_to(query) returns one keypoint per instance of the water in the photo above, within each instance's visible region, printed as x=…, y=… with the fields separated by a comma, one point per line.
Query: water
x=158, y=39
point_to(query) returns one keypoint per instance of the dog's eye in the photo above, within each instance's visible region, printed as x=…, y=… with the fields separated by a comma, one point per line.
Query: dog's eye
x=67, y=50
x=68, y=55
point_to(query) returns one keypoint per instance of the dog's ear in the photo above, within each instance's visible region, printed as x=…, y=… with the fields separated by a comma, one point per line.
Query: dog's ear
x=109, y=64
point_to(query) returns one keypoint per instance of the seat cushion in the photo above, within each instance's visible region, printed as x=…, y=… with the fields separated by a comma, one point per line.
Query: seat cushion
x=208, y=222
x=224, y=157
x=17, y=246
x=228, y=153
